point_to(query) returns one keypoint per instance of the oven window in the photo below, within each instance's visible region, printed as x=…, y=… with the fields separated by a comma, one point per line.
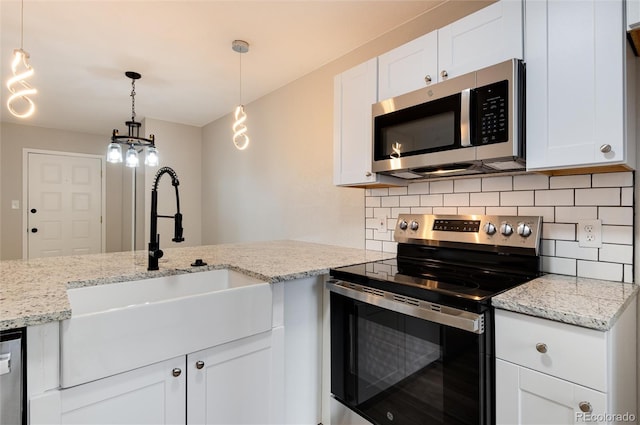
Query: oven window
x=403, y=370
x=429, y=127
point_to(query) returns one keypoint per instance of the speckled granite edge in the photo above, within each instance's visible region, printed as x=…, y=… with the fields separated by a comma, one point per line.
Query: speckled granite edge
x=34, y=292
x=590, y=303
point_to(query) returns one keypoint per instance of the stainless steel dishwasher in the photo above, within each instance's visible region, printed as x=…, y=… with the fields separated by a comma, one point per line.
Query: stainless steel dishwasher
x=12, y=377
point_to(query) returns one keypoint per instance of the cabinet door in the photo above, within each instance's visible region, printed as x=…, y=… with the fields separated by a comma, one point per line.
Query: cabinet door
x=231, y=383
x=575, y=83
x=489, y=36
x=408, y=67
x=524, y=396
x=148, y=395
x=355, y=90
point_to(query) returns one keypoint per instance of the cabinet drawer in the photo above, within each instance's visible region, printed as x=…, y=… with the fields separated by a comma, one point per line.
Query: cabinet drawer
x=565, y=351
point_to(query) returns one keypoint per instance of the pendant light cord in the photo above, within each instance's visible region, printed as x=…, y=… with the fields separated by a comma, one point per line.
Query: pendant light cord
x=240, y=55
x=22, y=25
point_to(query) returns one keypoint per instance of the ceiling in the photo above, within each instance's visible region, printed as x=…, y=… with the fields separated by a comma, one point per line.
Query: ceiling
x=80, y=50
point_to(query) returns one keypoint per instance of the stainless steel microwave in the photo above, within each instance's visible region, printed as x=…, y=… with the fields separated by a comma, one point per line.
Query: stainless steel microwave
x=470, y=124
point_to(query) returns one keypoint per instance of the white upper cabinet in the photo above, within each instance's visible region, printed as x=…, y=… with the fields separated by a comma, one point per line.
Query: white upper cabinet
x=489, y=36
x=577, y=77
x=408, y=67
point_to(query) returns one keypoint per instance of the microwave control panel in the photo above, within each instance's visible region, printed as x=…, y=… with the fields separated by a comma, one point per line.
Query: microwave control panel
x=492, y=119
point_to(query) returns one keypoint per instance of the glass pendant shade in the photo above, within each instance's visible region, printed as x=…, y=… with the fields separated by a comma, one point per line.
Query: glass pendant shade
x=151, y=158
x=114, y=153
x=131, y=159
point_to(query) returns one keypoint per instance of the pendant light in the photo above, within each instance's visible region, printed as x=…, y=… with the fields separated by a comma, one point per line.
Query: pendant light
x=133, y=140
x=18, y=86
x=240, y=137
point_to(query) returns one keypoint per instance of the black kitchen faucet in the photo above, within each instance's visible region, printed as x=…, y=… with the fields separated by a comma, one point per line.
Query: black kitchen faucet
x=155, y=252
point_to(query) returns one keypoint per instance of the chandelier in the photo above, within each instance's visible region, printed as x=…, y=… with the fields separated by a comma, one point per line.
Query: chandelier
x=240, y=136
x=18, y=86
x=133, y=140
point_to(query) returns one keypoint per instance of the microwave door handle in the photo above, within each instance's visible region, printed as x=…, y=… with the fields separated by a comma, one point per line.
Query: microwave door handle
x=465, y=120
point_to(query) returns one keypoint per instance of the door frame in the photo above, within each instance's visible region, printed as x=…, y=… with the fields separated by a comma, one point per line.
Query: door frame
x=25, y=193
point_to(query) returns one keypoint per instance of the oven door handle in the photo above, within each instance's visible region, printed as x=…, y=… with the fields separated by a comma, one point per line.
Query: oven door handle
x=443, y=315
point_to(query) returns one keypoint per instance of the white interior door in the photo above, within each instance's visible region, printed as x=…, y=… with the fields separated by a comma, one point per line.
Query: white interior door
x=64, y=205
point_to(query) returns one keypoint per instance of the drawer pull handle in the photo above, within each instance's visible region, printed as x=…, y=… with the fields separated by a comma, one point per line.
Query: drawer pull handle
x=585, y=407
x=541, y=347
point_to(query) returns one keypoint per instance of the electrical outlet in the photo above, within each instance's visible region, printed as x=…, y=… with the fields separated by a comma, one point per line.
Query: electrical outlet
x=381, y=223
x=590, y=233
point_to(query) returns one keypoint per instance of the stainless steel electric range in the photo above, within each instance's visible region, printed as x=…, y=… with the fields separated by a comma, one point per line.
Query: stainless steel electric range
x=412, y=339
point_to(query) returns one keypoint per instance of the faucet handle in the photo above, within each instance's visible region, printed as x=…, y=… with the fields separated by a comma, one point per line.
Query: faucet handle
x=178, y=228
x=156, y=253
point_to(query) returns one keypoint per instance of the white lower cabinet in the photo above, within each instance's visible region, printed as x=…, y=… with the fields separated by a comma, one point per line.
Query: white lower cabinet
x=529, y=397
x=151, y=395
x=554, y=373
x=232, y=383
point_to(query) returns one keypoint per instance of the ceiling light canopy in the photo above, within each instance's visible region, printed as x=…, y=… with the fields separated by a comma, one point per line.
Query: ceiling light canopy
x=133, y=139
x=240, y=136
x=19, y=103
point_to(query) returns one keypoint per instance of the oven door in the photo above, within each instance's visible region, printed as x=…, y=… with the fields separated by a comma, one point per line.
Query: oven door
x=392, y=366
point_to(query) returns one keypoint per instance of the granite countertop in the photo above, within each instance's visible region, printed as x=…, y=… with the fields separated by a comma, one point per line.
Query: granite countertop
x=589, y=303
x=34, y=292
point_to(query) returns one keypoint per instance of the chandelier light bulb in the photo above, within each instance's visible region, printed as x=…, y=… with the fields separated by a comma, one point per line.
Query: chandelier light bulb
x=131, y=159
x=19, y=87
x=114, y=153
x=240, y=137
x=151, y=158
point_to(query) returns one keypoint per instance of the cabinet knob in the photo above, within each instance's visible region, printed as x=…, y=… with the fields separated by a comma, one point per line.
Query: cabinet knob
x=176, y=372
x=199, y=364
x=427, y=79
x=541, y=347
x=368, y=174
x=444, y=73
x=585, y=407
x=606, y=148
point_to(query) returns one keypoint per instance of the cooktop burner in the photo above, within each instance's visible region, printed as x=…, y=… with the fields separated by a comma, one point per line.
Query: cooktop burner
x=454, y=260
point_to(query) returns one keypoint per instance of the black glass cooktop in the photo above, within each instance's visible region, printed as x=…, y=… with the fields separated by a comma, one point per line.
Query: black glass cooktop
x=465, y=279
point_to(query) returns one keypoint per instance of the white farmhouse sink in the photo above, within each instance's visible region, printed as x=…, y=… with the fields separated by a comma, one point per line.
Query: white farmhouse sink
x=122, y=326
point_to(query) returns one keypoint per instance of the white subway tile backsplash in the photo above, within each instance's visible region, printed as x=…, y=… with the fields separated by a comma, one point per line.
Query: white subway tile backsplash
x=600, y=270
x=442, y=186
x=570, y=182
x=484, y=199
x=390, y=201
x=571, y=249
x=612, y=179
x=626, y=197
x=497, y=184
x=530, y=182
x=561, y=201
x=603, y=196
x=616, y=253
x=431, y=200
x=547, y=213
x=397, y=191
x=467, y=185
x=456, y=199
x=554, y=197
x=559, y=265
x=616, y=215
x=418, y=188
x=617, y=234
x=518, y=198
x=573, y=214
x=409, y=200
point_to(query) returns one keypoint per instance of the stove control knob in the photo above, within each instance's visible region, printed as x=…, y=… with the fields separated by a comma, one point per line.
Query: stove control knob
x=524, y=230
x=403, y=225
x=414, y=225
x=489, y=229
x=506, y=229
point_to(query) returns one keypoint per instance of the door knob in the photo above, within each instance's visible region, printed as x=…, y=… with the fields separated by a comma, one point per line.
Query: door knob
x=33, y=210
x=34, y=230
